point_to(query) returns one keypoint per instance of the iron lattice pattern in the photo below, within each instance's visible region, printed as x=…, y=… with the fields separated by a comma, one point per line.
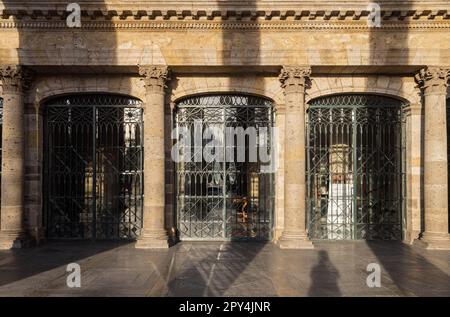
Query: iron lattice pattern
x=355, y=167
x=93, y=167
x=224, y=200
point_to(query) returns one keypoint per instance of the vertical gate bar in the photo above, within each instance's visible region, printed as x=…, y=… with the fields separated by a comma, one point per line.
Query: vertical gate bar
x=355, y=166
x=380, y=178
x=368, y=176
x=45, y=164
x=224, y=185
x=402, y=159
x=141, y=166
x=94, y=173
x=176, y=203
x=387, y=143
x=308, y=173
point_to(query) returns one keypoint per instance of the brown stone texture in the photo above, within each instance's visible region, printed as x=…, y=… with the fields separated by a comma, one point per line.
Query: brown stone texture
x=237, y=46
x=434, y=82
x=294, y=80
x=13, y=157
x=154, y=234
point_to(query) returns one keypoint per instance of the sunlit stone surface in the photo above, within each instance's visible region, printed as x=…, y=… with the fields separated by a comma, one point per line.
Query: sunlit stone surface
x=223, y=269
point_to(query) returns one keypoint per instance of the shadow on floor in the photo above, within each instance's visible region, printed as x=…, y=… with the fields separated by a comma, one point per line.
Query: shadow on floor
x=225, y=269
x=409, y=270
x=18, y=264
x=210, y=269
x=324, y=277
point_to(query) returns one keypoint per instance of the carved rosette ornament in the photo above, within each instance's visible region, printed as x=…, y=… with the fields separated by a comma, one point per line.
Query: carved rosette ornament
x=433, y=79
x=155, y=77
x=15, y=78
x=292, y=77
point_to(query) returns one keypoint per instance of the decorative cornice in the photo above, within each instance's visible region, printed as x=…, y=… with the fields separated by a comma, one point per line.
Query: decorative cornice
x=433, y=79
x=225, y=25
x=155, y=77
x=15, y=78
x=295, y=78
x=228, y=12
x=229, y=16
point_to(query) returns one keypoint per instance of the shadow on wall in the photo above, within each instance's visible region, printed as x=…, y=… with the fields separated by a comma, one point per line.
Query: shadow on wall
x=393, y=48
x=384, y=50
x=240, y=48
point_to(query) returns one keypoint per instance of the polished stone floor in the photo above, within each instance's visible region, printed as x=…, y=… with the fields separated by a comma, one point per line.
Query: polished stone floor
x=225, y=269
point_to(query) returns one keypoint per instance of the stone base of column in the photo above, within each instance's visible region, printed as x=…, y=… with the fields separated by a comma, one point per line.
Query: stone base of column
x=295, y=240
x=409, y=237
x=153, y=240
x=434, y=241
x=12, y=239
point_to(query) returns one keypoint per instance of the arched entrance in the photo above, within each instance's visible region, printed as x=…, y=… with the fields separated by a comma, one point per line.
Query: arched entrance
x=93, y=167
x=231, y=198
x=355, y=167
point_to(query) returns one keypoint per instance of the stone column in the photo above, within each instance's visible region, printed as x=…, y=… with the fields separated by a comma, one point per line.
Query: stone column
x=433, y=81
x=154, y=234
x=414, y=172
x=280, y=112
x=294, y=80
x=14, y=80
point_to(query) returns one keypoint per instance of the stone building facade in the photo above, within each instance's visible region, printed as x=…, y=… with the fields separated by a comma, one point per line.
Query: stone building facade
x=327, y=73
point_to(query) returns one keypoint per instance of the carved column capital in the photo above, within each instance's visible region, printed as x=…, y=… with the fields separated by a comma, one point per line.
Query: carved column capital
x=155, y=77
x=15, y=78
x=433, y=79
x=295, y=78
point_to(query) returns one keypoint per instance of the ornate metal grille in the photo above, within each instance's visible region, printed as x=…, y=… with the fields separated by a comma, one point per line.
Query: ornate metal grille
x=355, y=169
x=93, y=167
x=224, y=200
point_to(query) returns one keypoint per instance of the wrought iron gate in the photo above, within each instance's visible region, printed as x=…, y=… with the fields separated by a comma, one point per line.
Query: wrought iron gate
x=93, y=167
x=223, y=200
x=355, y=167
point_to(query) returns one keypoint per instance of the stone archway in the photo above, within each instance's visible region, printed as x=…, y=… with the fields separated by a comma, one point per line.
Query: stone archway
x=93, y=167
x=355, y=167
x=231, y=197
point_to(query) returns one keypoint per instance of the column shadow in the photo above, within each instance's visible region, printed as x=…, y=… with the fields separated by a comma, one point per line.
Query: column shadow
x=213, y=269
x=16, y=265
x=324, y=277
x=410, y=270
